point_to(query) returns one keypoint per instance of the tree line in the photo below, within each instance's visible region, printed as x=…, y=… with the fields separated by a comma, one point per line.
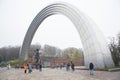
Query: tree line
x=9, y=53
x=114, y=46
x=12, y=53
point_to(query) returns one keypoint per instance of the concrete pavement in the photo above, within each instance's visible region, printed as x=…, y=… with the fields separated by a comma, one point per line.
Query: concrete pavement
x=57, y=74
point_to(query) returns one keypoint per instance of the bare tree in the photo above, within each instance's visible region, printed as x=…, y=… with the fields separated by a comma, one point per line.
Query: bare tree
x=9, y=53
x=115, y=49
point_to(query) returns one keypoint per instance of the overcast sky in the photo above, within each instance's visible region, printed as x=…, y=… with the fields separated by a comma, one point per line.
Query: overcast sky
x=56, y=30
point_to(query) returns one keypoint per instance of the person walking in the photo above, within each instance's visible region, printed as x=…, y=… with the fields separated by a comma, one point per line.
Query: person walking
x=91, y=68
x=40, y=67
x=72, y=66
x=68, y=66
x=29, y=68
x=25, y=68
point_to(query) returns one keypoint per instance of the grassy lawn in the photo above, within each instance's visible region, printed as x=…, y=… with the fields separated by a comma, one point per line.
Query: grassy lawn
x=105, y=69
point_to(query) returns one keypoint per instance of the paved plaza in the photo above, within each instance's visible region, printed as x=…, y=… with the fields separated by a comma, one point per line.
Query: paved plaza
x=57, y=74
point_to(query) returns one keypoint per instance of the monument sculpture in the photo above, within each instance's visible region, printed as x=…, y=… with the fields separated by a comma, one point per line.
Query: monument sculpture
x=37, y=56
x=93, y=41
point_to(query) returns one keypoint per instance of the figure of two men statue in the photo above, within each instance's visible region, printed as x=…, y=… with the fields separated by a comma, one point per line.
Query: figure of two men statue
x=37, y=59
x=37, y=56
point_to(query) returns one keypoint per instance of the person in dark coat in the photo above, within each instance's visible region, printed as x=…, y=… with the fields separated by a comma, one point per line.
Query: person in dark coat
x=68, y=66
x=40, y=67
x=91, y=68
x=72, y=66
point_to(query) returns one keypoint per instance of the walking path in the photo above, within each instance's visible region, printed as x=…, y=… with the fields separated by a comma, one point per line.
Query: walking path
x=57, y=74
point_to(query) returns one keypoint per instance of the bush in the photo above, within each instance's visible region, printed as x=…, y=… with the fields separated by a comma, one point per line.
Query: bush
x=3, y=64
x=17, y=62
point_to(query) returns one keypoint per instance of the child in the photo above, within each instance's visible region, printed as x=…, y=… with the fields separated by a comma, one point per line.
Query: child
x=25, y=68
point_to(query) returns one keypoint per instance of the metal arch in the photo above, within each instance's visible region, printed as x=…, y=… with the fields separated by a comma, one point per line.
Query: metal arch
x=89, y=33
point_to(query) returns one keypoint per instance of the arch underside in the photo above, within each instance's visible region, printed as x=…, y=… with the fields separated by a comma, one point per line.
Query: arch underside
x=94, y=44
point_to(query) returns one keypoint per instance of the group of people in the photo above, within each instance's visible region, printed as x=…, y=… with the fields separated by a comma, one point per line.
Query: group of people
x=39, y=67
x=91, y=67
x=27, y=67
x=70, y=65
